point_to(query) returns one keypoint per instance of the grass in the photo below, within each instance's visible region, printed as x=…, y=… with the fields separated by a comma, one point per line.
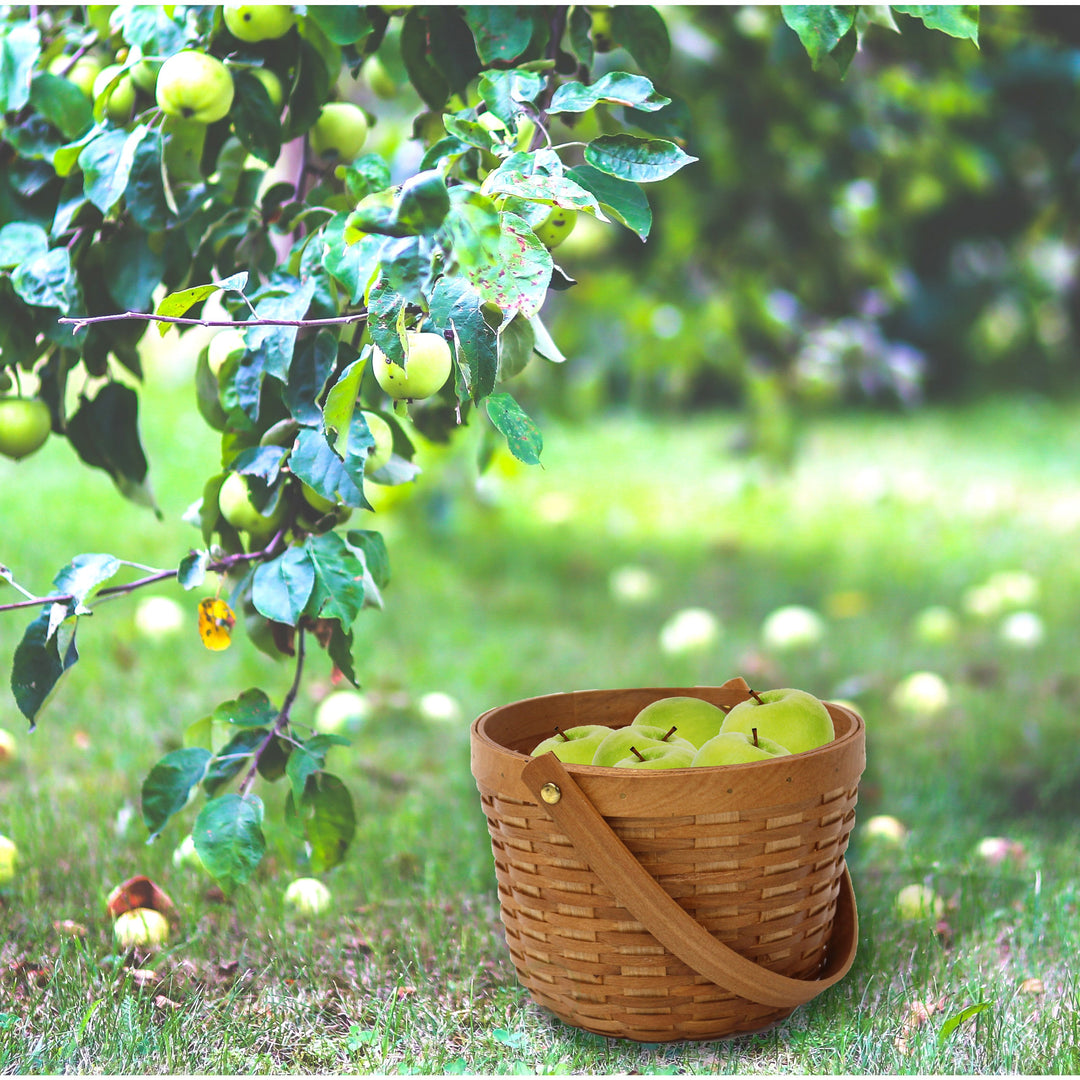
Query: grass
x=503, y=593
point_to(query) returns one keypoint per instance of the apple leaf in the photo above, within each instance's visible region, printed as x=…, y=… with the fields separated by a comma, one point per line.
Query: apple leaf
x=640, y=29
x=106, y=165
x=232, y=757
x=352, y=264
x=191, y=572
x=46, y=280
x=457, y=306
x=40, y=660
x=615, y=88
x=820, y=27
x=501, y=32
x=179, y=303
x=325, y=817
x=82, y=576
x=504, y=92
x=168, y=785
x=522, y=435
x=280, y=588
x=312, y=365
x=640, y=160
x=339, y=574
x=254, y=119
x=519, y=281
x=315, y=462
x=229, y=838
x=956, y=20
x=308, y=758
x=20, y=47
x=22, y=241
x=251, y=709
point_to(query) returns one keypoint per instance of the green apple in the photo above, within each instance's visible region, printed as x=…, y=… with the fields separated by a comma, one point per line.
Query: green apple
x=378, y=78
x=427, y=367
x=556, y=227
x=258, y=22
x=735, y=748
x=935, y=625
x=315, y=500
x=144, y=75
x=195, y=86
x=884, y=828
x=923, y=693
x=693, y=719
x=121, y=100
x=576, y=745
x=159, y=617
x=8, y=855
x=25, y=424
x=656, y=756
x=340, y=131
x=438, y=707
x=793, y=718
x=692, y=630
x=341, y=710
x=273, y=85
x=185, y=857
x=792, y=627
x=222, y=346
x=383, y=434
x=307, y=896
x=917, y=902
x=600, y=31
x=9, y=749
x=141, y=928
x=82, y=73
x=234, y=501
x=617, y=745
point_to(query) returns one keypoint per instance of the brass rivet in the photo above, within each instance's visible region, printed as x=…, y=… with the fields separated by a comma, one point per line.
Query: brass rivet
x=550, y=793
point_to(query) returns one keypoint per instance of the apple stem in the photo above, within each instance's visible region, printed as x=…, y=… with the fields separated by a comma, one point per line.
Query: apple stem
x=634, y=750
x=757, y=697
x=562, y=734
x=754, y=730
x=664, y=738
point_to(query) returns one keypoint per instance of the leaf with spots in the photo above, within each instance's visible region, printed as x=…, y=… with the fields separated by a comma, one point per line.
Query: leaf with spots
x=519, y=280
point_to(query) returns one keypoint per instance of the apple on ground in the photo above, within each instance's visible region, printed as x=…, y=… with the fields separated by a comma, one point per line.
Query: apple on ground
x=9, y=749
x=692, y=630
x=1022, y=630
x=158, y=617
x=340, y=710
x=8, y=856
x=633, y=584
x=307, y=896
x=935, y=625
x=427, y=367
x=576, y=745
x=995, y=850
x=340, y=131
x=916, y=902
x=695, y=720
x=735, y=748
x=618, y=742
x=258, y=22
x=793, y=718
x=25, y=424
x=195, y=86
x=792, y=627
x=141, y=928
x=656, y=756
x=437, y=707
x=885, y=828
x=922, y=693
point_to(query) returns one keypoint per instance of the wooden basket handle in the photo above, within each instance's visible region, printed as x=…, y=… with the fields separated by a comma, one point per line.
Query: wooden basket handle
x=678, y=931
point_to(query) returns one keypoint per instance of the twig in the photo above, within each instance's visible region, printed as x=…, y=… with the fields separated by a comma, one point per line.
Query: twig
x=282, y=717
x=82, y=322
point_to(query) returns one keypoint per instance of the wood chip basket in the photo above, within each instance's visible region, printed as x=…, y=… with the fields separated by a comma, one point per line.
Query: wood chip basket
x=669, y=904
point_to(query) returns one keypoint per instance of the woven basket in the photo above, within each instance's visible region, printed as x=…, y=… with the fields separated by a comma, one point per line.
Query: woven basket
x=669, y=904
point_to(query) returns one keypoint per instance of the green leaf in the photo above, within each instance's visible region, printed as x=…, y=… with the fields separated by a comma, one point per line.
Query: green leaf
x=106, y=164
x=339, y=591
x=166, y=789
x=20, y=47
x=522, y=435
x=352, y=264
x=820, y=27
x=953, y=1022
x=229, y=839
x=416, y=208
x=457, y=306
x=561, y=191
x=502, y=32
x=615, y=88
x=343, y=24
x=254, y=118
x=516, y=340
x=192, y=570
x=312, y=365
x=41, y=658
x=62, y=103
x=176, y=305
x=642, y=32
x=47, y=280
x=578, y=31
x=251, y=709
x=505, y=92
x=308, y=758
x=233, y=757
x=519, y=280
x=473, y=229
x=623, y=200
x=956, y=20
x=315, y=462
x=639, y=160
x=327, y=817
x=22, y=241
x=372, y=548
x=280, y=588
x=105, y=433
x=341, y=399
x=82, y=576
x=136, y=269
x=425, y=77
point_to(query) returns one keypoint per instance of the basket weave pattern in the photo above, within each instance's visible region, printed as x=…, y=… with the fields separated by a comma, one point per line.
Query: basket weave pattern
x=763, y=879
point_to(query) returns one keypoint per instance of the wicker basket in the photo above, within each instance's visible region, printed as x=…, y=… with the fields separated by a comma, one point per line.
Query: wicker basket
x=669, y=904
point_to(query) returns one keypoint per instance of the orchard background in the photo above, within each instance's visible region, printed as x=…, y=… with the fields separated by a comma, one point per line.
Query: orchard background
x=835, y=382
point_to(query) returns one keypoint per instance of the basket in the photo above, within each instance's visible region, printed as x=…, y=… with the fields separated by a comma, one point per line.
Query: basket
x=659, y=905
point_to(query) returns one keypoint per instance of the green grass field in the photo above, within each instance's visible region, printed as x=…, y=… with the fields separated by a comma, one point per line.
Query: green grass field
x=503, y=592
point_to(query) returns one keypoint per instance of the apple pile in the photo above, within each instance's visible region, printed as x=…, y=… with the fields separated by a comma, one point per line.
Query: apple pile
x=680, y=732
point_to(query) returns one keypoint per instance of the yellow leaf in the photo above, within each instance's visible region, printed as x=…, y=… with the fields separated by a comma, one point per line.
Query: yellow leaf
x=216, y=621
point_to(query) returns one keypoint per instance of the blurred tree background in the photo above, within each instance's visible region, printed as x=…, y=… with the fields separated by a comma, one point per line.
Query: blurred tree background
x=904, y=233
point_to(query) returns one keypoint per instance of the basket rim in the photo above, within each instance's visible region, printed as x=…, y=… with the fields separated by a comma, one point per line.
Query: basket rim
x=781, y=781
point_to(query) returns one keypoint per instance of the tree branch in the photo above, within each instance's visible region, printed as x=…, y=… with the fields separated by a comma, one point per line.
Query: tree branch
x=282, y=717
x=81, y=322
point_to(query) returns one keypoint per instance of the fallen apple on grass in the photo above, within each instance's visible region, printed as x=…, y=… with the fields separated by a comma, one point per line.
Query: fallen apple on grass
x=9, y=749
x=141, y=928
x=884, y=828
x=9, y=855
x=307, y=896
x=692, y=630
x=792, y=627
x=922, y=693
x=917, y=902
